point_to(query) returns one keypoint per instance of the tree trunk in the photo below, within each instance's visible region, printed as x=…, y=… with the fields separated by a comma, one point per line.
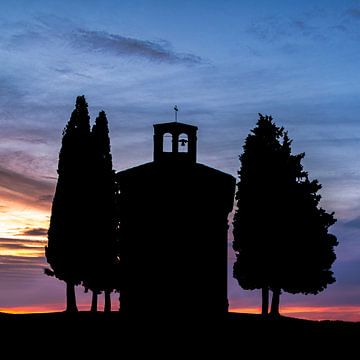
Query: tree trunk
x=275, y=303
x=265, y=301
x=107, y=305
x=70, y=298
x=94, y=301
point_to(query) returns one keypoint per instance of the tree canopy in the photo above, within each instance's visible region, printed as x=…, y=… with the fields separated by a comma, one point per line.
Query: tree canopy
x=69, y=228
x=82, y=241
x=281, y=234
x=101, y=270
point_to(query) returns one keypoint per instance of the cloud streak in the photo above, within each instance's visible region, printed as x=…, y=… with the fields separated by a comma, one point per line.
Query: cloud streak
x=354, y=13
x=20, y=258
x=276, y=28
x=14, y=185
x=355, y=223
x=32, y=242
x=307, y=27
x=59, y=31
x=33, y=232
x=118, y=45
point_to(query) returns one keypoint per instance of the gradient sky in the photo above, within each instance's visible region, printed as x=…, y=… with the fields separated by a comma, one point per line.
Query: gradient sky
x=221, y=62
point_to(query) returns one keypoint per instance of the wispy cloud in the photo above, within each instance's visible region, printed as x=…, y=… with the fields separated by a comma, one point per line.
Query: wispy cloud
x=119, y=45
x=8, y=87
x=15, y=265
x=278, y=28
x=17, y=255
x=52, y=33
x=46, y=198
x=314, y=26
x=354, y=223
x=354, y=12
x=17, y=186
x=33, y=232
x=22, y=184
x=21, y=242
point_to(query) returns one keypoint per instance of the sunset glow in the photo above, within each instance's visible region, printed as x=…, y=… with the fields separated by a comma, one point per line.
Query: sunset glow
x=16, y=219
x=222, y=63
x=39, y=309
x=83, y=304
x=346, y=312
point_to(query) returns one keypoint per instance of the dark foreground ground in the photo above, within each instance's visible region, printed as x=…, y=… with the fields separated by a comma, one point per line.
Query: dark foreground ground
x=235, y=334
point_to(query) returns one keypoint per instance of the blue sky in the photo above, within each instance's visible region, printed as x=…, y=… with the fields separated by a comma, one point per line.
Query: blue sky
x=221, y=62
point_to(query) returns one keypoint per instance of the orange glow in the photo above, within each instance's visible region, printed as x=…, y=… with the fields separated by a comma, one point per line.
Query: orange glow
x=41, y=308
x=15, y=220
x=30, y=252
x=345, y=312
x=83, y=304
x=24, y=247
x=19, y=214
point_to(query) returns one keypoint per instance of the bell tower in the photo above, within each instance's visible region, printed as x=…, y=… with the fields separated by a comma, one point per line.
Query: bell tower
x=175, y=141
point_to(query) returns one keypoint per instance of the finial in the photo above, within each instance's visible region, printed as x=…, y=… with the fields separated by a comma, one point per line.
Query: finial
x=176, y=111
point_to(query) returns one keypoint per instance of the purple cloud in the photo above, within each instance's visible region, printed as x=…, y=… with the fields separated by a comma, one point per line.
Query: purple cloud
x=24, y=188
x=33, y=232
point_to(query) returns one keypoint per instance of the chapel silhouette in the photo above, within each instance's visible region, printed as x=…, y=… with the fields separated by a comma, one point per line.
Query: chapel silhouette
x=173, y=230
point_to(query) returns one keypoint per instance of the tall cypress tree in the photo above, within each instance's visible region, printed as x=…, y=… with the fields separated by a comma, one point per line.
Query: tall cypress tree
x=69, y=221
x=101, y=266
x=281, y=235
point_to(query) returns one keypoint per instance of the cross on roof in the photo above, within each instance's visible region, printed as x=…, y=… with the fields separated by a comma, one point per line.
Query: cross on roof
x=176, y=111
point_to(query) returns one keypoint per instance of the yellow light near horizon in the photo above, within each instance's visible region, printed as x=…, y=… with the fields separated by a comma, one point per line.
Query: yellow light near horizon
x=14, y=220
x=30, y=252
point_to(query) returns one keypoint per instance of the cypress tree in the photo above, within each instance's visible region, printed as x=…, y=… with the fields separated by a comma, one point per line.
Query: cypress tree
x=281, y=234
x=101, y=267
x=68, y=229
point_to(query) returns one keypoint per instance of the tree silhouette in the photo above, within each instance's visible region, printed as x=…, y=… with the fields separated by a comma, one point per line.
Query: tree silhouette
x=101, y=251
x=309, y=271
x=69, y=223
x=281, y=236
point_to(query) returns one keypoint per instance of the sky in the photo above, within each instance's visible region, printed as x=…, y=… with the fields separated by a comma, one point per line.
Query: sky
x=222, y=63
